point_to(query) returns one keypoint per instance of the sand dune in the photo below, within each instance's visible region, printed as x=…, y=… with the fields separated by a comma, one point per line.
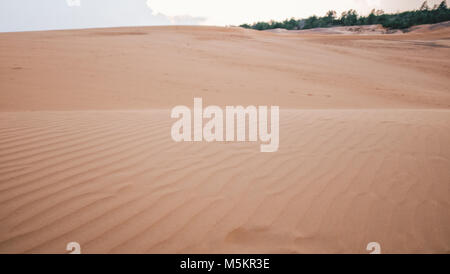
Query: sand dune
x=159, y=67
x=86, y=153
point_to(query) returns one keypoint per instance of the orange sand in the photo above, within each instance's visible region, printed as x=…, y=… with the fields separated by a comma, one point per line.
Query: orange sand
x=86, y=153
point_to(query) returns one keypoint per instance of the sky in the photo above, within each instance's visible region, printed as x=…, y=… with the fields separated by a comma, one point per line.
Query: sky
x=27, y=15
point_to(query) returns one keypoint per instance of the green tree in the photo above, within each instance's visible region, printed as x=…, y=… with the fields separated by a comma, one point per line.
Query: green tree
x=349, y=18
x=424, y=6
x=330, y=18
x=311, y=22
x=443, y=5
x=424, y=15
x=371, y=19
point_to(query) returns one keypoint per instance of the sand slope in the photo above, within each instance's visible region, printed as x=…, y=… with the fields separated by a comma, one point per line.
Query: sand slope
x=86, y=153
x=159, y=67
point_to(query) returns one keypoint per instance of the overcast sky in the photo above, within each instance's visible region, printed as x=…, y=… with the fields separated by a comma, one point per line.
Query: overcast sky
x=23, y=15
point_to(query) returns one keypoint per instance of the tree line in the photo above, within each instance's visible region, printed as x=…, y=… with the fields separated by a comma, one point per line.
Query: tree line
x=424, y=15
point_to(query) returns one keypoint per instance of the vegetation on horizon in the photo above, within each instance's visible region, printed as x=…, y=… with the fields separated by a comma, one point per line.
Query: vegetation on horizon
x=424, y=15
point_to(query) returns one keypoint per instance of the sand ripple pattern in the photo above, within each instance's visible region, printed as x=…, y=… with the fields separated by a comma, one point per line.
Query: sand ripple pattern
x=115, y=182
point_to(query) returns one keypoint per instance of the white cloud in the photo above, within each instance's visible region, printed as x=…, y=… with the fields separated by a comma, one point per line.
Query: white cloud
x=149, y=5
x=73, y=3
x=26, y=15
x=176, y=18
